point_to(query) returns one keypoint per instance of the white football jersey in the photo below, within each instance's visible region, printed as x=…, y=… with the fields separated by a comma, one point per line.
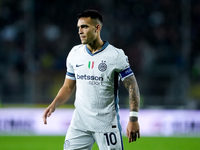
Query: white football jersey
x=97, y=76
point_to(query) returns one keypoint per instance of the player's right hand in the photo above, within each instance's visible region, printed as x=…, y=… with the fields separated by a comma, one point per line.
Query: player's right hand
x=47, y=113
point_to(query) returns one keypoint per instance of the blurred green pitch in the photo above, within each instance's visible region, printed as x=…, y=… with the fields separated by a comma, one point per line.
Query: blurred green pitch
x=56, y=143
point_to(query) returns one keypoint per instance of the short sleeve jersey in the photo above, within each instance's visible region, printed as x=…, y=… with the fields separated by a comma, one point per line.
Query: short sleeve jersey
x=97, y=76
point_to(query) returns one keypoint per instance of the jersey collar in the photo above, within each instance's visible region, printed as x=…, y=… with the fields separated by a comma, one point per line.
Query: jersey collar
x=103, y=47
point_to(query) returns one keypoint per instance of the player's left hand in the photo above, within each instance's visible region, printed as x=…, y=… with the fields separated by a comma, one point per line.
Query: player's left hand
x=133, y=131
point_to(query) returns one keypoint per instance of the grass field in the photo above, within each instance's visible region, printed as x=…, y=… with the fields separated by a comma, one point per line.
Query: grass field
x=56, y=143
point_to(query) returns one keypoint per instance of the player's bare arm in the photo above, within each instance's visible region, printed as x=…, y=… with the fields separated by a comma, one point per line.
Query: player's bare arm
x=63, y=95
x=133, y=130
x=134, y=96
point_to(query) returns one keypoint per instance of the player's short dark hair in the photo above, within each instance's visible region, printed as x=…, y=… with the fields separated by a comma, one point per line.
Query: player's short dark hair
x=94, y=14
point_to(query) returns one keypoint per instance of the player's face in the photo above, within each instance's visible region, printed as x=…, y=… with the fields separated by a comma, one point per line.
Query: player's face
x=87, y=30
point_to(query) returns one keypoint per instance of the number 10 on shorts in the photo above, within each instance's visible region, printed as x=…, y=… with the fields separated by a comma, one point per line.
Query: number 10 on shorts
x=110, y=138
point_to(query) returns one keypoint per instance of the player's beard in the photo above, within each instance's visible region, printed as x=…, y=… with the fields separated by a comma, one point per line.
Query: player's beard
x=83, y=40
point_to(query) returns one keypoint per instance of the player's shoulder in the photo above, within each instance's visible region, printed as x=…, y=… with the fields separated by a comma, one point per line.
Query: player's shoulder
x=77, y=47
x=115, y=50
x=75, y=50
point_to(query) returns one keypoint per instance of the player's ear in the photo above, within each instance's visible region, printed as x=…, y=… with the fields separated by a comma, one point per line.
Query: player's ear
x=98, y=27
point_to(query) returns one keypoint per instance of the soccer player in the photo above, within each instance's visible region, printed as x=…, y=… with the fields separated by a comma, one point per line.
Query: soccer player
x=94, y=68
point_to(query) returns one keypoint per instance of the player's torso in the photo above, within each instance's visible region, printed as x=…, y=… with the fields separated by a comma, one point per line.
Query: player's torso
x=96, y=83
x=95, y=77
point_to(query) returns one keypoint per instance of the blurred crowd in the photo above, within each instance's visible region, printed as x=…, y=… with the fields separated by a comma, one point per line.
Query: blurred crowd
x=36, y=36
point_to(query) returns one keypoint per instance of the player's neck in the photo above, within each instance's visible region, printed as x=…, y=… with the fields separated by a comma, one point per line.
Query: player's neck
x=95, y=46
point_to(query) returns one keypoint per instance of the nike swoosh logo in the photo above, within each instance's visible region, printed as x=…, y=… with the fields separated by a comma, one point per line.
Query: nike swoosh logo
x=79, y=65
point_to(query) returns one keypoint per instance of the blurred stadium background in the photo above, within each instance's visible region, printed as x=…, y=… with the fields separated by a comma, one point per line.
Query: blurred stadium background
x=161, y=38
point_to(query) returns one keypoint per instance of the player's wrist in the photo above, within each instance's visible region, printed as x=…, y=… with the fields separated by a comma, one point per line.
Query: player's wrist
x=133, y=119
x=133, y=116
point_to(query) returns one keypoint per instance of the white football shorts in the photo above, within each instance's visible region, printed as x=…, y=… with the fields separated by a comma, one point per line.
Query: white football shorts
x=83, y=140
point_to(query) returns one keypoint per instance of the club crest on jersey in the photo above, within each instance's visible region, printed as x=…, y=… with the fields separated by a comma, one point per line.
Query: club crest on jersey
x=102, y=66
x=91, y=64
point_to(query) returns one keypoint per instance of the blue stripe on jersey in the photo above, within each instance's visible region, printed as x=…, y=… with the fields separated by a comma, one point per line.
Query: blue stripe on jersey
x=116, y=88
x=70, y=74
x=121, y=140
x=126, y=72
x=103, y=47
